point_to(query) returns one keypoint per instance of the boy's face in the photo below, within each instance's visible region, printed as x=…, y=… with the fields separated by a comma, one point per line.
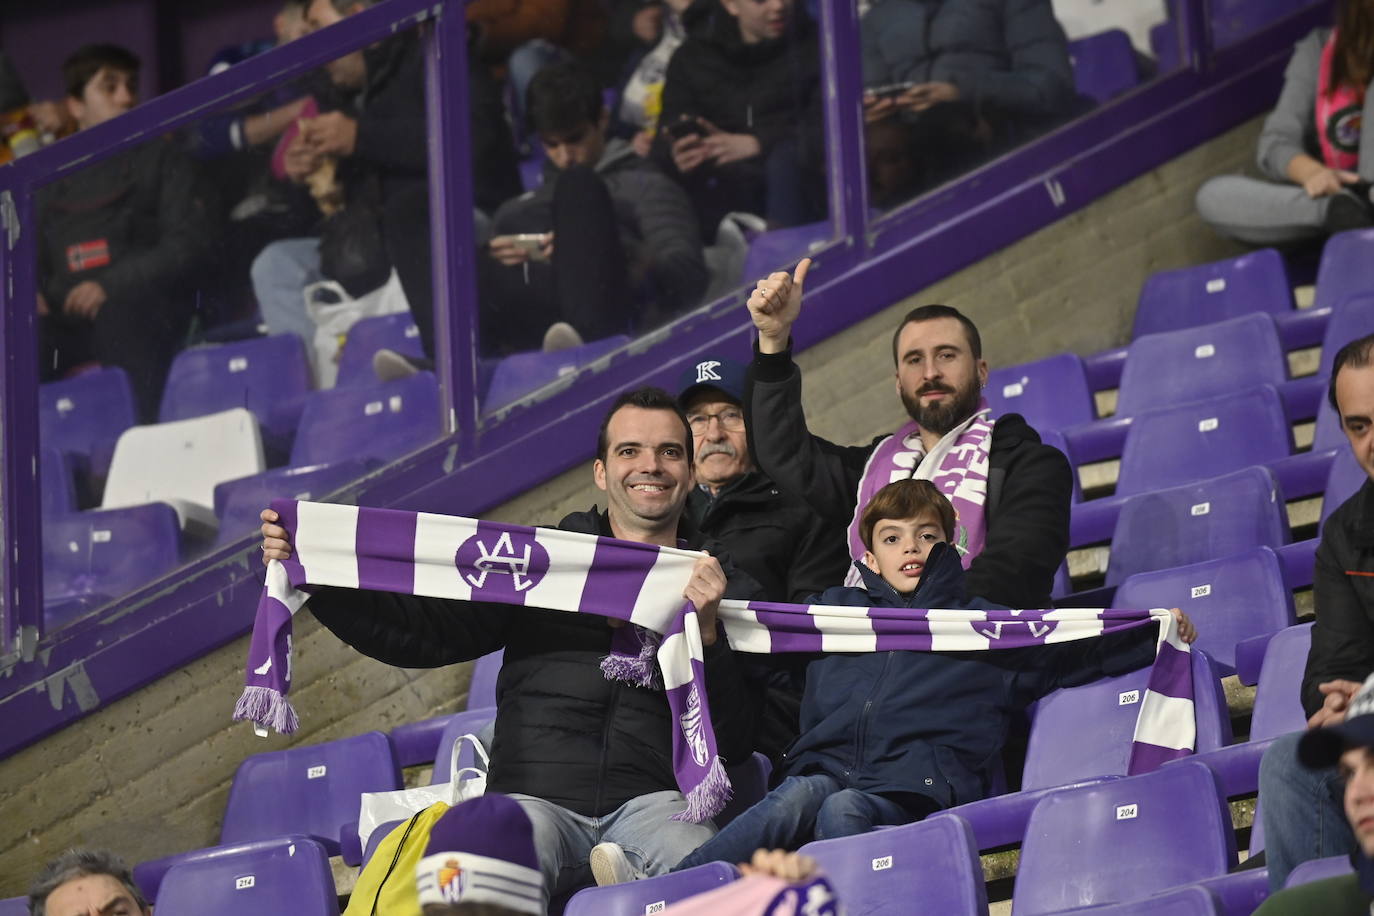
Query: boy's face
x=900, y=548
x=581, y=146
x=106, y=95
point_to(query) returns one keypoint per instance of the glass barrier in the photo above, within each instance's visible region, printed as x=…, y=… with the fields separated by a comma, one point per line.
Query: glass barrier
x=232, y=312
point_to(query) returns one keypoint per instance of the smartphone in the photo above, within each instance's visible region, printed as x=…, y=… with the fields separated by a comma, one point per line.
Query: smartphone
x=685, y=127
x=891, y=89
x=533, y=242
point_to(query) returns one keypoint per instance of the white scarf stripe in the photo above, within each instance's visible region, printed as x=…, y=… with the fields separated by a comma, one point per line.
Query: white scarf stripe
x=1166, y=721
x=436, y=541
x=561, y=588
x=332, y=536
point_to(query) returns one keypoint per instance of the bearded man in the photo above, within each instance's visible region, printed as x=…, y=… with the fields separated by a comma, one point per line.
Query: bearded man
x=1011, y=492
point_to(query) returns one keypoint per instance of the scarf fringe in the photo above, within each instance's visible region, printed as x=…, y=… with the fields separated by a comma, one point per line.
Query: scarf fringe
x=637, y=670
x=268, y=708
x=708, y=797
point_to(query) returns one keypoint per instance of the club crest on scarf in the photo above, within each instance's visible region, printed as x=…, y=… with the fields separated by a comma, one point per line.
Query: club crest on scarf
x=505, y=563
x=1017, y=632
x=691, y=728
x=816, y=898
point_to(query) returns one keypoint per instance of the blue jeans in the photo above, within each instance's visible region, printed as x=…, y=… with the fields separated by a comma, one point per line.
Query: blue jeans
x=799, y=810
x=280, y=274
x=642, y=827
x=1303, y=811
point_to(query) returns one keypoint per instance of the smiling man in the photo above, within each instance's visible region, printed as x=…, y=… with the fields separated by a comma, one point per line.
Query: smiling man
x=86, y=882
x=1011, y=493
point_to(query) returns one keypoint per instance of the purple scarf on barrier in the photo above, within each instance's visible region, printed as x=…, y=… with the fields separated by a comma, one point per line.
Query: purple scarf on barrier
x=468, y=559
x=958, y=466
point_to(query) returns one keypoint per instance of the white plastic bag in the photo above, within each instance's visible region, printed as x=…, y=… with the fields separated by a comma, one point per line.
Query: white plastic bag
x=335, y=313
x=378, y=808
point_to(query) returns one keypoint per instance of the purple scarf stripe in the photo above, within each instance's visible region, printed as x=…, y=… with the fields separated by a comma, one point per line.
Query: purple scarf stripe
x=1172, y=675
x=386, y=550
x=287, y=518
x=1146, y=757
x=616, y=577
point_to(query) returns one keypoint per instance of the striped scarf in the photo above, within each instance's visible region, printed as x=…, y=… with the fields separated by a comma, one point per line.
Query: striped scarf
x=466, y=559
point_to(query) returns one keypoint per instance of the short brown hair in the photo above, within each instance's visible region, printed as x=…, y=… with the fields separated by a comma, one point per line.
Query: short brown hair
x=906, y=499
x=88, y=60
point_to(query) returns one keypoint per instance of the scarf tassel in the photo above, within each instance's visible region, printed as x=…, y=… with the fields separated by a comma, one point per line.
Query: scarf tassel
x=267, y=707
x=708, y=797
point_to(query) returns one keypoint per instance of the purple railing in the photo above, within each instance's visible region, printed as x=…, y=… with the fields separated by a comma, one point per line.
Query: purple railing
x=48, y=680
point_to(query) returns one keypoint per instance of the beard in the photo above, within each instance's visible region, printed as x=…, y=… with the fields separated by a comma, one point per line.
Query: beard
x=947, y=413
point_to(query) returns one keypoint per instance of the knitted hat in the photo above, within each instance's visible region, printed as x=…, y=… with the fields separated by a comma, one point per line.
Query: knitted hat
x=482, y=851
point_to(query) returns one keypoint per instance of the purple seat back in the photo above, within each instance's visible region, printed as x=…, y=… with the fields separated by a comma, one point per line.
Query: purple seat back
x=1056, y=439
x=749, y=781
x=288, y=876
x=1351, y=319
x=1319, y=870
x=381, y=423
x=650, y=895
x=1230, y=599
x=521, y=373
x=1278, y=697
x=238, y=502
x=1194, y=364
x=58, y=483
x=1086, y=731
x=368, y=335
x=109, y=552
x=1193, y=900
x=1188, y=442
x=260, y=374
x=778, y=248
x=1124, y=839
x=1051, y=393
x=1347, y=267
x=883, y=872
x=1207, y=293
x=1328, y=434
x=1164, y=44
x=85, y=414
x=1342, y=482
x=1198, y=521
x=470, y=722
x=1233, y=20
x=482, y=689
x=14, y=906
x=310, y=790
x=1104, y=65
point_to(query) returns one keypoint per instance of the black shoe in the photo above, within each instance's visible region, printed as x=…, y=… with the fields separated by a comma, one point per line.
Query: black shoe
x=1348, y=210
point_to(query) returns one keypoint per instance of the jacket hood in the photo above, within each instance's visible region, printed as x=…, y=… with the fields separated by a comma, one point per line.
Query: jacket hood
x=1012, y=428
x=941, y=583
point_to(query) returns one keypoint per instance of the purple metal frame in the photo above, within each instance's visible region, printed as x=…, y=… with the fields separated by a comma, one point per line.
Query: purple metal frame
x=481, y=464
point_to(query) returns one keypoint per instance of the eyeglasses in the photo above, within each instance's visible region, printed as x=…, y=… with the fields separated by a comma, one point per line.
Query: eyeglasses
x=731, y=419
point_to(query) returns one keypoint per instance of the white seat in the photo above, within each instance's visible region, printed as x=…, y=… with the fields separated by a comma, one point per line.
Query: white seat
x=180, y=463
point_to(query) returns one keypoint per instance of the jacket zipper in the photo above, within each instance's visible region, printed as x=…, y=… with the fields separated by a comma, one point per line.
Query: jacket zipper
x=605, y=746
x=861, y=732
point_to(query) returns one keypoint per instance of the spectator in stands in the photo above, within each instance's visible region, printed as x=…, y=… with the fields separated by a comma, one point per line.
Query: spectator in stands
x=481, y=861
x=589, y=759
x=889, y=738
x=120, y=242
x=1012, y=492
x=970, y=77
x=618, y=246
x=82, y=881
x=1313, y=153
x=641, y=93
x=741, y=120
x=1344, y=746
x=1302, y=808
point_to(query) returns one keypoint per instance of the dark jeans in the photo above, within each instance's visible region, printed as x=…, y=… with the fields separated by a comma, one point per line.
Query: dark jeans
x=782, y=187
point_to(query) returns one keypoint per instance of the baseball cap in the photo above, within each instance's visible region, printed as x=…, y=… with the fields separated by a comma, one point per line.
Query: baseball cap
x=1323, y=747
x=712, y=372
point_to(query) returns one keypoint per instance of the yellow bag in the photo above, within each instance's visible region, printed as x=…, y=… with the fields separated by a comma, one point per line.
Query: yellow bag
x=386, y=886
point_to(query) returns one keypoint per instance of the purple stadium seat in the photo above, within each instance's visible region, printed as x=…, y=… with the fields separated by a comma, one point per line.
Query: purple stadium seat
x=92, y=556
x=238, y=502
x=522, y=373
x=1233, y=20
x=1328, y=433
x=749, y=781
x=381, y=423
x=1124, y=839
x=1192, y=900
x=651, y=895
x=1319, y=870
x=482, y=689
x=84, y=416
x=368, y=335
x=1056, y=438
x=14, y=906
x=1347, y=267
x=883, y=873
x=1187, y=442
x=287, y=876
x=1351, y=319
x=1104, y=65
x=1194, y=364
x=1051, y=393
x=1345, y=479
x=1230, y=599
x=770, y=251
x=1207, y=293
x=58, y=485
x=1164, y=44
x=469, y=722
x=1199, y=521
x=268, y=375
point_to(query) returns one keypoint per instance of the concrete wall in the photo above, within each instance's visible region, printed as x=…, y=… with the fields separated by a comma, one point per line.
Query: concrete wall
x=149, y=775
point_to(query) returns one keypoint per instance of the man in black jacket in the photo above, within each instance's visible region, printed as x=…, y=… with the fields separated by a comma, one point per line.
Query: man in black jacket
x=589, y=759
x=940, y=371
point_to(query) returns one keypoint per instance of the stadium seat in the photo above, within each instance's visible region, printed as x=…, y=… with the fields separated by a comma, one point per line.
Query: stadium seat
x=268, y=375
x=1230, y=599
x=482, y=689
x=1328, y=433
x=380, y=423
x=1318, y=870
x=635, y=898
x=1191, y=900
x=287, y=876
x=1052, y=393
x=368, y=335
x=748, y=784
x=884, y=872
x=58, y=485
x=520, y=374
x=238, y=502
x=1189, y=442
x=1347, y=268
x=1056, y=439
x=1104, y=65
x=1198, y=521
x=14, y=906
x=1346, y=478
x=180, y=463
x=1198, y=363
x=1124, y=839
x=774, y=250
x=89, y=557
x=1207, y=293
x=1351, y=319
x=85, y=415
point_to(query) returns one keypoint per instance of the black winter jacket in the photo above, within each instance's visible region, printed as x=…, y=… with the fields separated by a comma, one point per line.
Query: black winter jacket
x=564, y=733
x=1029, y=484
x=1343, y=592
x=931, y=723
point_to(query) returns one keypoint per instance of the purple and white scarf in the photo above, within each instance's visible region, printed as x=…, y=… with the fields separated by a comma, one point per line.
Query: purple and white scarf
x=958, y=466
x=471, y=560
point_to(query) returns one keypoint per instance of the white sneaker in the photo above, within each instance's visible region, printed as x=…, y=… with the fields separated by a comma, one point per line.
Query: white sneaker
x=561, y=336
x=610, y=866
x=389, y=366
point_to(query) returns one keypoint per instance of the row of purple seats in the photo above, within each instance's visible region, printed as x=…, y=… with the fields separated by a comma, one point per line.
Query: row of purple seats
x=282, y=876
x=83, y=416
x=1104, y=65
x=1231, y=20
